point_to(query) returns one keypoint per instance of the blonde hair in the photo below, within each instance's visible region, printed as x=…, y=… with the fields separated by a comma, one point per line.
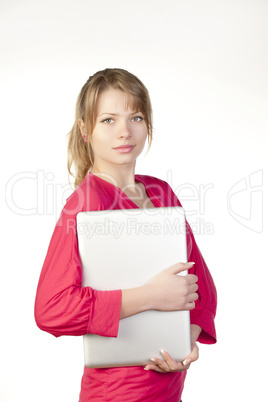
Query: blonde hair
x=80, y=153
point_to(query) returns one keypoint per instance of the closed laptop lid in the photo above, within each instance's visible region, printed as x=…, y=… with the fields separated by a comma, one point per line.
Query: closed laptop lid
x=122, y=249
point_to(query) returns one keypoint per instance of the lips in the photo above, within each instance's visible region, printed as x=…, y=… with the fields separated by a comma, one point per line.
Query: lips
x=124, y=148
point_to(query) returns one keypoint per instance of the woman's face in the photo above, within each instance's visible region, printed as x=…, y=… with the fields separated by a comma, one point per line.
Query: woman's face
x=119, y=134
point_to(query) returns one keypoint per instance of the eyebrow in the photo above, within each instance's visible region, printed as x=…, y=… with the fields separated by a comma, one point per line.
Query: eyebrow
x=115, y=114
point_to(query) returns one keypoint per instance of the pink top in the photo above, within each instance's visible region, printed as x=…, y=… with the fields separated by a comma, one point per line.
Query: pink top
x=64, y=307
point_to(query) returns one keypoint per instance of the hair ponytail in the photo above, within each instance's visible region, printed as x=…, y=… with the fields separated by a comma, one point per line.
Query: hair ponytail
x=80, y=155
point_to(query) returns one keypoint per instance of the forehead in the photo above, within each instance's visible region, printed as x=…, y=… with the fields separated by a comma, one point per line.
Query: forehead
x=114, y=101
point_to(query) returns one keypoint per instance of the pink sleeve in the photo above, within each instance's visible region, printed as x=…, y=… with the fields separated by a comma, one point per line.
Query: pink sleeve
x=62, y=305
x=205, y=307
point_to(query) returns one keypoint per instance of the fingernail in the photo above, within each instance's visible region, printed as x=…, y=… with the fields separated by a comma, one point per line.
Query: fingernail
x=162, y=351
x=193, y=263
x=186, y=362
x=146, y=368
x=153, y=360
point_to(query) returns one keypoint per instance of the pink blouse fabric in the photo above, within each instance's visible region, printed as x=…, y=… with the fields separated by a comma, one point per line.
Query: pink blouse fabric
x=64, y=307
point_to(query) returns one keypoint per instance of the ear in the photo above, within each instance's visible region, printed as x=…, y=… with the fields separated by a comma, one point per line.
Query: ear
x=82, y=127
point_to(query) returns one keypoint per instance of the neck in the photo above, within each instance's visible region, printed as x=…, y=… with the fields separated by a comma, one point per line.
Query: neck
x=120, y=176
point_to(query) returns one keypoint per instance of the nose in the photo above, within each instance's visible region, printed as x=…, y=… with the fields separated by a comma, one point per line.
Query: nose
x=124, y=130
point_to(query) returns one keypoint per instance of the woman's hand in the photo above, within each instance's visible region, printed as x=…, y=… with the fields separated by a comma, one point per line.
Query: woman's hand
x=169, y=291
x=168, y=365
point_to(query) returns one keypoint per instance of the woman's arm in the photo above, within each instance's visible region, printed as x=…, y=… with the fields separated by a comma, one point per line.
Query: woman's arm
x=62, y=305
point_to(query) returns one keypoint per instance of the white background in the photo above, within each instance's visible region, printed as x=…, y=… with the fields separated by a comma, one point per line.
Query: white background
x=205, y=64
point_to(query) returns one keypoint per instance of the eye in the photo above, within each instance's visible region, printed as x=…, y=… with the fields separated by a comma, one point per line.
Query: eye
x=137, y=119
x=107, y=121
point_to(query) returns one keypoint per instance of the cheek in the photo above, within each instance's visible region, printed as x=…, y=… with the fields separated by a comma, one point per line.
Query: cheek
x=99, y=139
x=140, y=131
x=144, y=134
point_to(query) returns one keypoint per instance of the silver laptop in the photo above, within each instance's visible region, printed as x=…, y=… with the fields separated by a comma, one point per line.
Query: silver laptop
x=125, y=248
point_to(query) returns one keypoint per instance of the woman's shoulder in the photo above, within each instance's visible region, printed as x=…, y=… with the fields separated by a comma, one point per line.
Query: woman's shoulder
x=76, y=199
x=85, y=197
x=88, y=196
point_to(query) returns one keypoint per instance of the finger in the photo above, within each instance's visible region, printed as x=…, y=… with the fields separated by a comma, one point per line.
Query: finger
x=186, y=363
x=191, y=297
x=172, y=364
x=195, y=296
x=193, y=288
x=180, y=267
x=191, y=279
x=154, y=367
x=190, y=306
x=162, y=364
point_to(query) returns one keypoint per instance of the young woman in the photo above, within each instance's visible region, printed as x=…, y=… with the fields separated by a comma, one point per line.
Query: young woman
x=113, y=121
